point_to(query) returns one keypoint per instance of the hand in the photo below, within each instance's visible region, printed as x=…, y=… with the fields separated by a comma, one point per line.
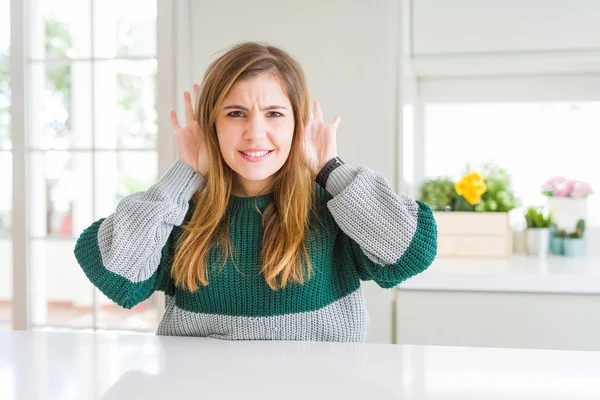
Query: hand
x=190, y=139
x=320, y=144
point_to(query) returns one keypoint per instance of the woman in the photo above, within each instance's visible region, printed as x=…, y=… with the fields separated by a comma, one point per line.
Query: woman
x=259, y=230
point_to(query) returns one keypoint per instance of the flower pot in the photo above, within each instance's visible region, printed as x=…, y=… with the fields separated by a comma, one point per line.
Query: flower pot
x=567, y=211
x=575, y=247
x=473, y=234
x=538, y=241
x=557, y=245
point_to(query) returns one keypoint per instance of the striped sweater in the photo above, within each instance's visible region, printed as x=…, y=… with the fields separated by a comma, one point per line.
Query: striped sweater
x=367, y=233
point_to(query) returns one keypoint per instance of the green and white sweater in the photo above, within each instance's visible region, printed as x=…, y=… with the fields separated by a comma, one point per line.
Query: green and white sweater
x=368, y=233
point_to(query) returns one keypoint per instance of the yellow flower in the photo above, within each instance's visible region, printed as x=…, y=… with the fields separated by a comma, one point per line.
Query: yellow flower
x=471, y=187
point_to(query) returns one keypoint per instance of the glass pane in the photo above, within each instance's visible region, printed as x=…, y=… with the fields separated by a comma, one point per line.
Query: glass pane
x=5, y=193
x=5, y=283
x=5, y=143
x=125, y=28
x=5, y=240
x=60, y=106
x=125, y=104
x=4, y=29
x=408, y=146
x=118, y=174
x=145, y=316
x=533, y=141
x=60, y=29
x=60, y=193
x=61, y=294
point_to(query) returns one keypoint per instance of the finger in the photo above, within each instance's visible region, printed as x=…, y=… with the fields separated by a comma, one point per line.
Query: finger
x=318, y=112
x=174, y=120
x=189, y=111
x=196, y=91
x=336, y=122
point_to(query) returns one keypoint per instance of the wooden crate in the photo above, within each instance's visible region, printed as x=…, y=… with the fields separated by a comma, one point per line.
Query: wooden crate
x=474, y=234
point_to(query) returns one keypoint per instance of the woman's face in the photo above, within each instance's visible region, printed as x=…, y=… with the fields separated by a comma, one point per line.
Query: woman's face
x=255, y=127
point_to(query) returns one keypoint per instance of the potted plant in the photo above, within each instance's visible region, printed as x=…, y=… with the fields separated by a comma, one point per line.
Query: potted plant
x=539, y=223
x=490, y=191
x=557, y=242
x=574, y=243
x=439, y=194
x=472, y=213
x=568, y=200
x=498, y=196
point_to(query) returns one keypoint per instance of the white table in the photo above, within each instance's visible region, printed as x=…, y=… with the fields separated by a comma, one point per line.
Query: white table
x=43, y=365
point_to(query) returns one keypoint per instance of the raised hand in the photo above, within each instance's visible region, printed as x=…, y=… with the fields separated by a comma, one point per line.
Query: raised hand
x=190, y=139
x=320, y=143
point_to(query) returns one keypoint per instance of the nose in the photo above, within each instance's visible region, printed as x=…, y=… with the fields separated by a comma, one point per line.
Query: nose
x=255, y=128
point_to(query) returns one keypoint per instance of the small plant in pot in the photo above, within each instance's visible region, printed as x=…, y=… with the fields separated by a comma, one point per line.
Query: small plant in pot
x=557, y=242
x=575, y=243
x=539, y=224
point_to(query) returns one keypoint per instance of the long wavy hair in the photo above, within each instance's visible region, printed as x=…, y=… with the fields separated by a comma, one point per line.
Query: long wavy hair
x=286, y=219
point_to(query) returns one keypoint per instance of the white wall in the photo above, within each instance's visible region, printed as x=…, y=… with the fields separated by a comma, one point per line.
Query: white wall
x=507, y=26
x=490, y=37
x=350, y=51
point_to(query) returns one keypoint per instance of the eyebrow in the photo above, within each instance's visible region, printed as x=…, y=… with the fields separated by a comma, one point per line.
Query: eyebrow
x=238, y=107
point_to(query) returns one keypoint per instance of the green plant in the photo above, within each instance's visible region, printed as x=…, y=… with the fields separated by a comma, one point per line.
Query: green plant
x=560, y=233
x=499, y=196
x=579, y=230
x=438, y=194
x=536, y=218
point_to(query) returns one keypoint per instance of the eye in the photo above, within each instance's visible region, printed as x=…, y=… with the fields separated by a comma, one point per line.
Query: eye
x=235, y=114
x=275, y=114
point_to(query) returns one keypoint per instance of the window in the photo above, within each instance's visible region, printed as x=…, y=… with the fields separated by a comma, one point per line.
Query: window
x=5, y=170
x=533, y=141
x=92, y=133
x=408, y=143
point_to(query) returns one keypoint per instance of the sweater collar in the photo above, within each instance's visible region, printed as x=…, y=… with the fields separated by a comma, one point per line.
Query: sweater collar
x=249, y=203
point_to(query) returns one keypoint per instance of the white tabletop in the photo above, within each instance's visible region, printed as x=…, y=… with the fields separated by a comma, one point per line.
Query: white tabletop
x=42, y=365
x=519, y=273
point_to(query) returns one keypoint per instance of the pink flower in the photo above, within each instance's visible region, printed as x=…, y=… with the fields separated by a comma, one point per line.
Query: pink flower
x=562, y=191
x=559, y=186
x=581, y=189
x=552, y=183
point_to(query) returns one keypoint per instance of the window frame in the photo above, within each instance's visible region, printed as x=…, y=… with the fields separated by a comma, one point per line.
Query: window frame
x=165, y=144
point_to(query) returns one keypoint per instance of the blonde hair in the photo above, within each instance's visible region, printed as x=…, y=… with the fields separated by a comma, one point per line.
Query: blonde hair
x=286, y=219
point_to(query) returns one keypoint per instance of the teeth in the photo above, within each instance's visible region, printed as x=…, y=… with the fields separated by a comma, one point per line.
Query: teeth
x=256, y=154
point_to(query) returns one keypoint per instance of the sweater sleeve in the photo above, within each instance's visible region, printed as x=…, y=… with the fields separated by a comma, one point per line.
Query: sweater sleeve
x=390, y=237
x=126, y=255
